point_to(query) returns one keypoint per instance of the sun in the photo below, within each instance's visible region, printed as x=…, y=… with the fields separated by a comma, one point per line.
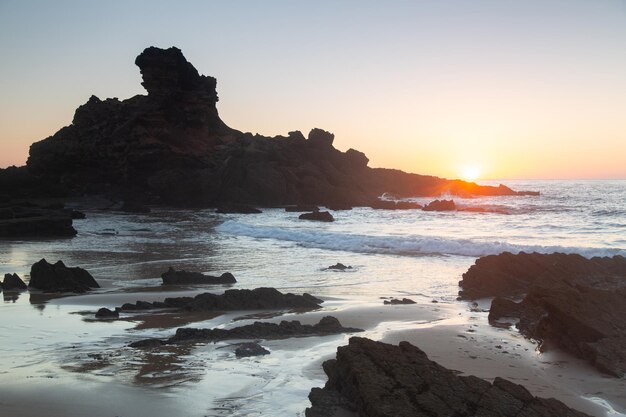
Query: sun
x=470, y=173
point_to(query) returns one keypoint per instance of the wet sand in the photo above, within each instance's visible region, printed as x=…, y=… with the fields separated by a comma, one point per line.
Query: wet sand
x=59, y=361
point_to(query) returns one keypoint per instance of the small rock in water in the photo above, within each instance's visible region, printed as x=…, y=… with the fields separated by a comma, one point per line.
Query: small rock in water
x=13, y=282
x=396, y=301
x=250, y=349
x=105, y=313
x=440, y=205
x=339, y=267
x=320, y=216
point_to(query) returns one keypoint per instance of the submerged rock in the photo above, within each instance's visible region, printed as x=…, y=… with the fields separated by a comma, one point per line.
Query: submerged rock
x=13, y=282
x=245, y=350
x=320, y=216
x=258, y=330
x=339, y=267
x=173, y=277
x=374, y=379
x=395, y=301
x=60, y=278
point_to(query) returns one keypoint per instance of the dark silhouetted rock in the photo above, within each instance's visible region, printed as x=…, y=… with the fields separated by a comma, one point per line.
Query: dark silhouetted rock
x=173, y=277
x=394, y=205
x=301, y=208
x=258, y=330
x=256, y=299
x=339, y=267
x=245, y=350
x=13, y=282
x=237, y=208
x=320, y=216
x=170, y=147
x=440, y=205
x=395, y=301
x=59, y=278
x=77, y=215
x=32, y=220
x=105, y=313
x=374, y=379
x=570, y=302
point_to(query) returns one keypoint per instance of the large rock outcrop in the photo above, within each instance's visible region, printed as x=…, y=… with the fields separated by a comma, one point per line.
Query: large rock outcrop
x=60, y=278
x=374, y=379
x=569, y=302
x=171, y=147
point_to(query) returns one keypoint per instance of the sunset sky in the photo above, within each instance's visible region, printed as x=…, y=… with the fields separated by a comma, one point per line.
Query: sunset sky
x=514, y=89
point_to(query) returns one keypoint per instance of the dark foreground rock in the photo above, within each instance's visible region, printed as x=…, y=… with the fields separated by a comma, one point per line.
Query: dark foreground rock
x=174, y=277
x=256, y=299
x=440, y=205
x=245, y=350
x=395, y=301
x=320, y=216
x=170, y=147
x=258, y=330
x=569, y=302
x=12, y=282
x=374, y=379
x=60, y=278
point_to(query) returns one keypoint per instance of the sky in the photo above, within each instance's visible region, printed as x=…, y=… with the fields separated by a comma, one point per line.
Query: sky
x=490, y=89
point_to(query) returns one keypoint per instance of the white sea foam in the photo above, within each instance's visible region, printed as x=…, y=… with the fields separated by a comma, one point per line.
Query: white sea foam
x=397, y=245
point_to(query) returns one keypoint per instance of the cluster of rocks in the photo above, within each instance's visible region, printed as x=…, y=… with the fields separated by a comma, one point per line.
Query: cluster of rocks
x=170, y=147
x=372, y=379
x=396, y=301
x=174, y=277
x=256, y=299
x=60, y=278
x=568, y=301
x=258, y=330
x=29, y=219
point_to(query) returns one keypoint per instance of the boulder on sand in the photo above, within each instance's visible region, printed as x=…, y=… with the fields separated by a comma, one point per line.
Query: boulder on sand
x=174, y=277
x=60, y=278
x=374, y=379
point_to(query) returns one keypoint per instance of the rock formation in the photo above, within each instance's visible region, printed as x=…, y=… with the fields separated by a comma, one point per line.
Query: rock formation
x=174, y=277
x=258, y=330
x=60, y=278
x=257, y=299
x=13, y=282
x=26, y=219
x=170, y=147
x=569, y=302
x=374, y=379
x=319, y=216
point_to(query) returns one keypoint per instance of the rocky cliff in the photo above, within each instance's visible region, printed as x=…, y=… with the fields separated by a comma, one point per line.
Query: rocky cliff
x=171, y=147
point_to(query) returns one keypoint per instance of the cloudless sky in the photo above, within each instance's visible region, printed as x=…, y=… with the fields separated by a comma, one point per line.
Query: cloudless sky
x=516, y=89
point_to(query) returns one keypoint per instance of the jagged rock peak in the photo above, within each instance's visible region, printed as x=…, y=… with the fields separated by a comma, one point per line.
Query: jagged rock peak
x=167, y=72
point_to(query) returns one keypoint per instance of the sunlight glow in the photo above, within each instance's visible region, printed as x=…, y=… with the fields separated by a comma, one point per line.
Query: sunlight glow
x=470, y=173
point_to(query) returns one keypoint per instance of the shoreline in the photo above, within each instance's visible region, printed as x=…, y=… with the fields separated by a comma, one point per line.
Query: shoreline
x=185, y=377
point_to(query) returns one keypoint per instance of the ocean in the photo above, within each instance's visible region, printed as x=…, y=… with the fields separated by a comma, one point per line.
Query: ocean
x=403, y=253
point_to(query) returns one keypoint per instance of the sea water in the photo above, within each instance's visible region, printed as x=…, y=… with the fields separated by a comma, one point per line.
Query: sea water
x=402, y=253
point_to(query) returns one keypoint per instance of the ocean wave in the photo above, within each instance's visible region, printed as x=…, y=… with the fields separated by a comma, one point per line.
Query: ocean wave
x=398, y=245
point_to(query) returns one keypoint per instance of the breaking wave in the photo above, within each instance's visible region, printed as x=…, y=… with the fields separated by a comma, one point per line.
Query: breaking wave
x=398, y=245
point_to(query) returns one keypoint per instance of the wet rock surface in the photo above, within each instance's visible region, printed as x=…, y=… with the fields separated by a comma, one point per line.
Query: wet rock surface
x=440, y=205
x=12, y=282
x=170, y=147
x=569, y=302
x=395, y=301
x=320, y=216
x=60, y=278
x=256, y=299
x=174, y=277
x=370, y=378
x=245, y=350
x=258, y=330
